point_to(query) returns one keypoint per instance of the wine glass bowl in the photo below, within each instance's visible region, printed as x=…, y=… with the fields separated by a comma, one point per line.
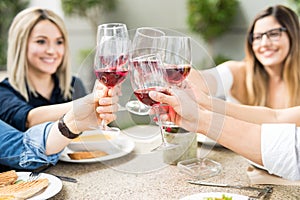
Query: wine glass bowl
x=177, y=58
x=146, y=41
x=147, y=75
x=177, y=61
x=111, y=56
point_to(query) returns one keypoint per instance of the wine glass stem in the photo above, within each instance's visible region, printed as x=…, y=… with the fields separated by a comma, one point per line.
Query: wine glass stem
x=156, y=108
x=103, y=125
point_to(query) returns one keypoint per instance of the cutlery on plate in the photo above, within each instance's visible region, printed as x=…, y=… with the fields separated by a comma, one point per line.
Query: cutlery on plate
x=37, y=172
x=66, y=178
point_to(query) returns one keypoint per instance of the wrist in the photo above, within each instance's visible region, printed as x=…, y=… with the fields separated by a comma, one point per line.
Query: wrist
x=67, y=127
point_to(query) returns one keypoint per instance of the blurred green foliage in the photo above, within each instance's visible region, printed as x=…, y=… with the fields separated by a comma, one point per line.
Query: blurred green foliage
x=92, y=10
x=297, y=4
x=211, y=18
x=82, y=8
x=8, y=10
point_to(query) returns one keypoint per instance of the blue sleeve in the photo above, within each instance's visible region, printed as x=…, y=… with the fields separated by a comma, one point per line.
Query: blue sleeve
x=25, y=150
x=34, y=154
x=13, y=108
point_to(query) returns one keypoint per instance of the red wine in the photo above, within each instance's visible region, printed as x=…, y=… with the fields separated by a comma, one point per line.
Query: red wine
x=113, y=60
x=175, y=74
x=143, y=95
x=110, y=78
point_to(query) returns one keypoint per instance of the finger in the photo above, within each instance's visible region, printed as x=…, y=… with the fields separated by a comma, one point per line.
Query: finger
x=160, y=97
x=108, y=100
x=107, y=109
x=108, y=117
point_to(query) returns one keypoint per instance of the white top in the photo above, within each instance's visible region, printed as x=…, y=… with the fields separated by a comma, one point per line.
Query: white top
x=280, y=146
x=224, y=80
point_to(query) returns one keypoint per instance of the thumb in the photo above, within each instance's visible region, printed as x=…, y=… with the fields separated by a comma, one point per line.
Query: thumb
x=159, y=97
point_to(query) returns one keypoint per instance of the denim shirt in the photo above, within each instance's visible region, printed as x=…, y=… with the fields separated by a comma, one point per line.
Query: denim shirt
x=25, y=150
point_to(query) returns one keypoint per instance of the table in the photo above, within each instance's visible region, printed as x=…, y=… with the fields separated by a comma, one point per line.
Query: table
x=99, y=181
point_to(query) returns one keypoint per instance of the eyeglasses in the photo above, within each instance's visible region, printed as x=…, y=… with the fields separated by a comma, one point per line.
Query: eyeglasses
x=273, y=35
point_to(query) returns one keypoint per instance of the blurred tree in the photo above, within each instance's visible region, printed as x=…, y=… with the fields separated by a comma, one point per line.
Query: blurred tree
x=90, y=9
x=297, y=4
x=211, y=18
x=8, y=10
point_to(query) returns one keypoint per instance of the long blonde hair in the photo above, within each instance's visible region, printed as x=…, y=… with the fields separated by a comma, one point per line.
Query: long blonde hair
x=257, y=78
x=17, y=64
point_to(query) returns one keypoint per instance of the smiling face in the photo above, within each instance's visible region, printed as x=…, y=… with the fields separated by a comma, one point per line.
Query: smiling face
x=269, y=52
x=45, y=48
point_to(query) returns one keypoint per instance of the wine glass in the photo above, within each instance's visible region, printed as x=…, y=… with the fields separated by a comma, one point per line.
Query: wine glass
x=146, y=40
x=147, y=75
x=177, y=61
x=110, y=62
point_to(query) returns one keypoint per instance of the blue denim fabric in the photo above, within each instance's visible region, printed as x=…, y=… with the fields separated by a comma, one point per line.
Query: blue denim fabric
x=25, y=150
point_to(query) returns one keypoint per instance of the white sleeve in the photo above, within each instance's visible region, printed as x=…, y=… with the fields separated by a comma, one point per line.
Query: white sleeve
x=280, y=146
x=223, y=80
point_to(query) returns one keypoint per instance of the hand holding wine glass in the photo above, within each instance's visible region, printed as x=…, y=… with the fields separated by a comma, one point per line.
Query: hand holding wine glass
x=177, y=61
x=148, y=75
x=147, y=40
x=110, y=63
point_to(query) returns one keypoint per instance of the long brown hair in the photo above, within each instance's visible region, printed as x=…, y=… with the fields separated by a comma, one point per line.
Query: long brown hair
x=17, y=64
x=257, y=78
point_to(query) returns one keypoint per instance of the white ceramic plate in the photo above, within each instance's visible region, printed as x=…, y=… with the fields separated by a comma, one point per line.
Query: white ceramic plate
x=118, y=147
x=200, y=196
x=54, y=187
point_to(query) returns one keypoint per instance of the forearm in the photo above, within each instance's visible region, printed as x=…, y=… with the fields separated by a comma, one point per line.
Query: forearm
x=47, y=113
x=239, y=136
x=252, y=114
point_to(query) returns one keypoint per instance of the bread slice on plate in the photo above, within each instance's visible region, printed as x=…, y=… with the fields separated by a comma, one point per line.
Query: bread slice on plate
x=8, y=178
x=24, y=190
x=86, y=154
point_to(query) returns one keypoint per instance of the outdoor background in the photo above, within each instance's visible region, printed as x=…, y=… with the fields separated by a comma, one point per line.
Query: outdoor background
x=167, y=14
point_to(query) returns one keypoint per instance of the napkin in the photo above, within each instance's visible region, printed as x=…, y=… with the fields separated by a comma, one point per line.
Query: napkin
x=260, y=176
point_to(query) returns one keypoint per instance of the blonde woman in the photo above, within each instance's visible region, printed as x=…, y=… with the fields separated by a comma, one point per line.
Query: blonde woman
x=42, y=144
x=39, y=82
x=270, y=73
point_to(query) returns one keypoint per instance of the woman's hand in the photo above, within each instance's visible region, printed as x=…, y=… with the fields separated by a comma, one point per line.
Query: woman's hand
x=88, y=111
x=183, y=110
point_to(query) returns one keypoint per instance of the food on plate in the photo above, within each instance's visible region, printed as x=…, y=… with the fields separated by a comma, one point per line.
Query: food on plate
x=90, y=138
x=86, y=154
x=218, y=198
x=24, y=190
x=7, y=197
x=8, y=178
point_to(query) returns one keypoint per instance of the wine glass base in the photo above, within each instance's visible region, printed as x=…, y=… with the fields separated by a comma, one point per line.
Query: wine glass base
x=165, y=146
x=110, y=130
x=168, y=124
x=137, y=108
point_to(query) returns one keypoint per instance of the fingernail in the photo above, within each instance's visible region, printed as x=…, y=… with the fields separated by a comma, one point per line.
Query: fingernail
x=152, y=94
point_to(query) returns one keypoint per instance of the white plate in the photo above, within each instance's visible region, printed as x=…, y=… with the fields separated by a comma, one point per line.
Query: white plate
x=119, y=147
x=94, y=140
x=54, y=187
x=200, y=196
x=205, y=140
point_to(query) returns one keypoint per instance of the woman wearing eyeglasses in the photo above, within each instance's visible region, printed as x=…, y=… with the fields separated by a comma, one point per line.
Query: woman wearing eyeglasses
x=270, y=73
